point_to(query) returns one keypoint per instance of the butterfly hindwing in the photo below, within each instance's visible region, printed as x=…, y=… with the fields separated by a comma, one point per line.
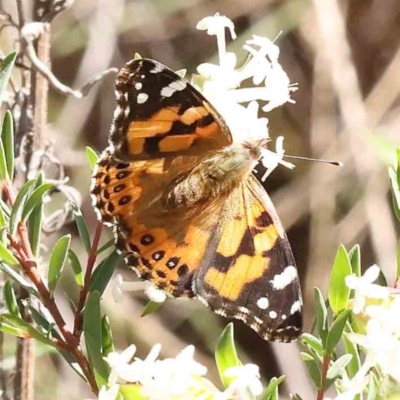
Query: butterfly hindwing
x=249, y=271
x=160, y=114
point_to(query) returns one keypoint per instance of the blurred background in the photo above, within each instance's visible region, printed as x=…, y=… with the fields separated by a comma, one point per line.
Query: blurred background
x=345, y=57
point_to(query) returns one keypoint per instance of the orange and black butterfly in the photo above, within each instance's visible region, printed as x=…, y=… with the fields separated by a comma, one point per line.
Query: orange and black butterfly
x=187, y=212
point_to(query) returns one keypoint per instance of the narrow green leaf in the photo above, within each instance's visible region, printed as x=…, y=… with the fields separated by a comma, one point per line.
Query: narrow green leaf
x=103, y=273
x=76, y=267
x=151, y=307
x=16, y=212
x=272, y=387
x=181, y=72
x=394, y=184
x=57, y=260
x=355, y=259
x=313, y=343
x=92, y=156
x=3, y=165
x=19, y=279
x=5, y=73
x=322, y=315
x=225, y=354
x=132, y=392
x=398, y=166
x=10, y=298
x=12, y=330
x=92, y=328
x=339, y=293
x=35, y=228
x=107, y=338
x=34, y=199
x=7, y=256
x=350, y=348
x=25, y=327
x=137, y=56
x=7, y=137
x=312, y=368
x=336, y=331
x=296, y=397
x=82, y=228
x=106, y=246
x=337, y=368
x=373, y=388
x=398, y=259
x=5, y=209
x=3, y=221
x=381, y=279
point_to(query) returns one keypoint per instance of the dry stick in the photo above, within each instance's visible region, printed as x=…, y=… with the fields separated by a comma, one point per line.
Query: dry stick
x=85, y=290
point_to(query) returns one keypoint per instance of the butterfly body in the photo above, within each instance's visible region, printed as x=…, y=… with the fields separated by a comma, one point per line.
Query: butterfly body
x=187, y=212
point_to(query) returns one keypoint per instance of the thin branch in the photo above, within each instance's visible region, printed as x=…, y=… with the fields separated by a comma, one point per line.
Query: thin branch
x=55, y=83
x=325, y=366
x=88, y=274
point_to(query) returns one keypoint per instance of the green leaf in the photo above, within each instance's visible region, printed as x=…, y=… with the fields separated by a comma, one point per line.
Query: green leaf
x=35, y=199
x=398, y=259
x=337, y=368
x=336, y=331
x=16, y=212
x=5, y=73
x=19, y=279
x=312, y=368
x=92, y=328
x=322, y=315
x=132, y=392
x=350, y=348
x=339, y=293
x=373, y=388
x=106, y=246
x=272, y=387
x=82, y=228
x=107, y=338
x=57, y=260
x=382, y=281
x=137, y=56
x=313, y=343
x=151, y=307
x=25, y=327
x=225, y=354
x=355, y=259
x=103, y=273
x=76, y=267
x=35, y=228
x=3, y=165
x=92, y=157
x=10, y=298
x=181, y=73
x=395, y=192
x=7, y=137
x=296, y=397
x=7, y=256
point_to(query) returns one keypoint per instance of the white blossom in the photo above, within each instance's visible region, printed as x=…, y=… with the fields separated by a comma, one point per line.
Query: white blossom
x=247, y=377
x=119, y=364
x=108, y=394
x=365, y=288
x=221, y=86
x=119, y=286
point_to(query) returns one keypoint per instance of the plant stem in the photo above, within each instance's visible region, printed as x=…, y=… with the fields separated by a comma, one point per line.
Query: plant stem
x=86, y=283
x=325, y=365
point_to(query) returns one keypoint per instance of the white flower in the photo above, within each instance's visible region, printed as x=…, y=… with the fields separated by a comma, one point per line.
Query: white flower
x=364, y=288
x=108, y=394
x=119, y=364
x=222, y=82
x=119, y=285
x=247, y=377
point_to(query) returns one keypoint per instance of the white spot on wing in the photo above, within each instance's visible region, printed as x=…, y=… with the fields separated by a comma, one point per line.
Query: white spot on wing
x=142, y=98
x=167, y=91
x=157, y=68
x=273, y=314
x=138, y=86
x=244, y=310
x=282, y=280
x=263, y=303
x=295, y=307
x=173, y=87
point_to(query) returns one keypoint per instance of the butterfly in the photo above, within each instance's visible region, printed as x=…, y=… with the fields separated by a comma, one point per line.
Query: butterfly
x=188, y=214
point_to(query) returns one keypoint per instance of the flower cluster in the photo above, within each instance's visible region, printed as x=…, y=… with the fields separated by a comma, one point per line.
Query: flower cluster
x=175, y=378
x=376, y=311
x=220, y=84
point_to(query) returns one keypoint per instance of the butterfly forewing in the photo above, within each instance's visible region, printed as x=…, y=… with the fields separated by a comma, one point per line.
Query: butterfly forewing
x=160, y=114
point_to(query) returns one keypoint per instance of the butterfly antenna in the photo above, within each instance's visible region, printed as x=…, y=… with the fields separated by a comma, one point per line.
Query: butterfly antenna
x=332, y=162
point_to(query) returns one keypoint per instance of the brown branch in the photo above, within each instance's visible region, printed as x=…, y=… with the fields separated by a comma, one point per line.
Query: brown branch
x=88, y=274
x=325, y=365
